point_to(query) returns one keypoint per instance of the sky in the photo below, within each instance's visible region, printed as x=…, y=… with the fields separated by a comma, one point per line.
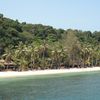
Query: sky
x=75, y=14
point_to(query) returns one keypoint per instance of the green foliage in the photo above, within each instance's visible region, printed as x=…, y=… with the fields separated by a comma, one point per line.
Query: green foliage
x=37, y=46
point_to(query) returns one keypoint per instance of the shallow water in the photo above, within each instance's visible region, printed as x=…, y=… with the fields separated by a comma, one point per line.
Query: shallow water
x=72, y=86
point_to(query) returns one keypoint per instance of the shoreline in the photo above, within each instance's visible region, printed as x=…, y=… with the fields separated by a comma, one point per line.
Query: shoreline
x=46, y=72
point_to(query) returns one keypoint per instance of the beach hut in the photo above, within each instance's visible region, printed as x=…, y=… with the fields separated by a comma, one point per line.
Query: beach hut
x=2, y=65
x=7, y=65
x=10, y=65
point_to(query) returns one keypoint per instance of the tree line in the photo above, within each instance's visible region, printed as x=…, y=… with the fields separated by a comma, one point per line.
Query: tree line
x=36, y=46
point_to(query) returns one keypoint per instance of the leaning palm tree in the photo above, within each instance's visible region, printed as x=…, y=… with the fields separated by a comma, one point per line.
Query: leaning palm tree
x=7, y=56
x=56, y=55
x=43, y=50
x=21, y=56
x=34, y=56
x=87, y=54
x=97, y=55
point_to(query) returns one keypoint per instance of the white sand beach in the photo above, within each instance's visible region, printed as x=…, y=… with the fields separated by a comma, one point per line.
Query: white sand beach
x=45, y=72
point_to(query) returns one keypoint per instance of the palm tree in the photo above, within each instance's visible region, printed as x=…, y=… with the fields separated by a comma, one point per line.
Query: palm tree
x=21, y=56
x=97, y=55
x=7, y=56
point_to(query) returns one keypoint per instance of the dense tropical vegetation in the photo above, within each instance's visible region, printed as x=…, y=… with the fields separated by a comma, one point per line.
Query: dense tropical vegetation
x=36, y=46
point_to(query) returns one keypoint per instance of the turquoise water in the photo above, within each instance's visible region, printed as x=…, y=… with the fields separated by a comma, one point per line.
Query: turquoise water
x=73, y=86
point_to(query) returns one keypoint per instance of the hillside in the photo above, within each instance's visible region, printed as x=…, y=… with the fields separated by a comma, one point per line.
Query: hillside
x=81, y=47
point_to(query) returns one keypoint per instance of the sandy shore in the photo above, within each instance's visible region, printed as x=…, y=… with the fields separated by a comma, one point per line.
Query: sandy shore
x=45, y=72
